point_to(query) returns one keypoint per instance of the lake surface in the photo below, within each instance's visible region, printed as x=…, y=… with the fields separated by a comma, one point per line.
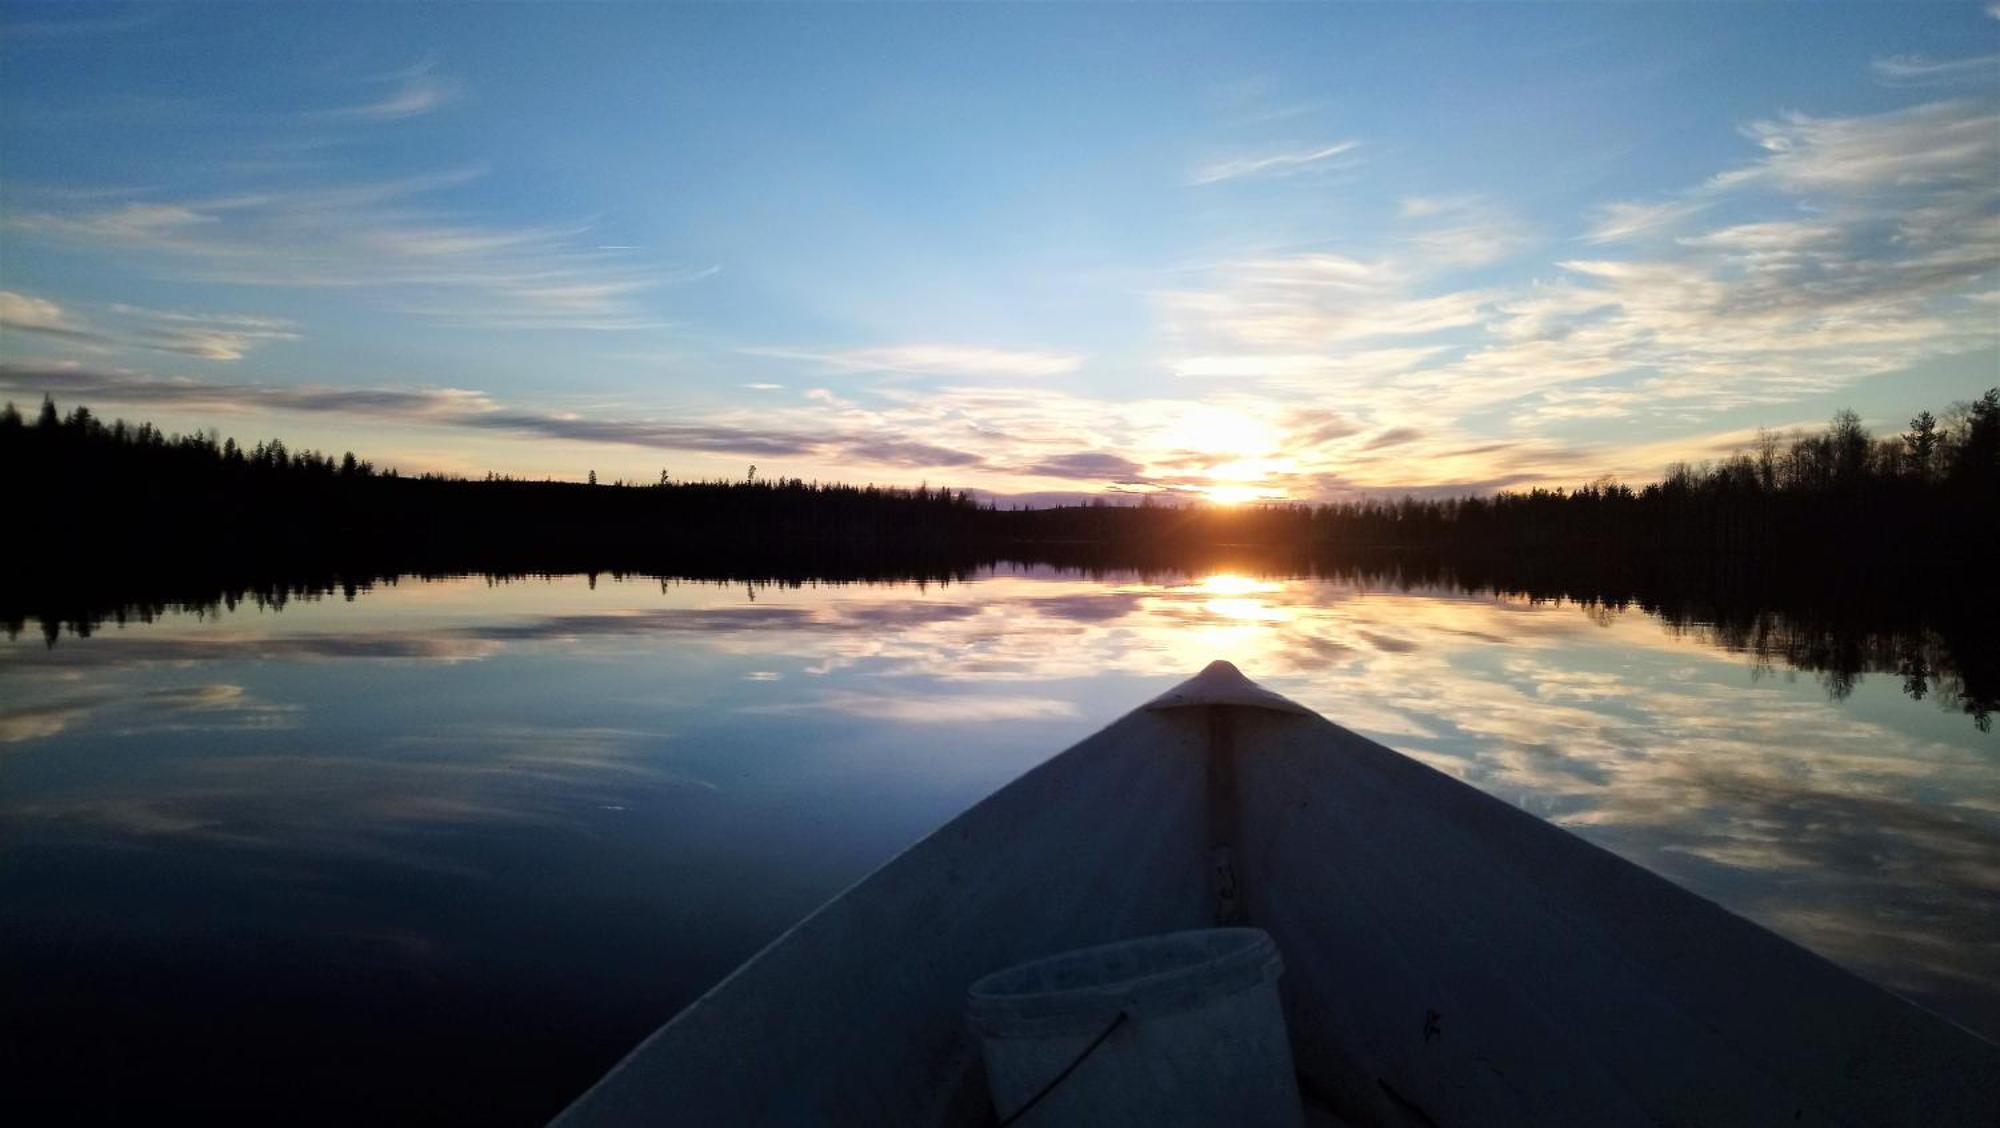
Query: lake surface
x=443, y=851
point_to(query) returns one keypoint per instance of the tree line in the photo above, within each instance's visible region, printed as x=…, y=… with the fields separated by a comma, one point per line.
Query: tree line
x=1835, y=551
x=96, y=489
x=1930, y=494
x=1840, y=497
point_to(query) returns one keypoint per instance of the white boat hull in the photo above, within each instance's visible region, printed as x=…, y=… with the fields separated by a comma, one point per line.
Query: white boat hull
x=1450, y=959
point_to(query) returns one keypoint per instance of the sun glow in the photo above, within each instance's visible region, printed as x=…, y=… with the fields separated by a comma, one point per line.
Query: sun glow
x=1221, y=433
x=1240, y=601
x=1235, y=451
x=1233, y=493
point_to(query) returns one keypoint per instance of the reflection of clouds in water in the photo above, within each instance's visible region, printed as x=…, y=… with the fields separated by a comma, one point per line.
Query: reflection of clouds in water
x=1009, y=632
x=1004, y=629
x=286, y=810
x=1873, y=845
x=467, y=643
x=197, y=708
x=927, y=708
x=1806, y=817
x=1386, y=643
x=1801, y=816
x=190, y=708
x=134, y=650
x=1860, y=877
x=32, y=722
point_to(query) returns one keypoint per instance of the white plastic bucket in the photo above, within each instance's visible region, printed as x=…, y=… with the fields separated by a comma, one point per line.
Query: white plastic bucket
x=1180, y=1029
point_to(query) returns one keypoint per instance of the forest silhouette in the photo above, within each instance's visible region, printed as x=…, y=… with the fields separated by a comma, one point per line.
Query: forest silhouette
x=1838, y=552
x=1841, y=498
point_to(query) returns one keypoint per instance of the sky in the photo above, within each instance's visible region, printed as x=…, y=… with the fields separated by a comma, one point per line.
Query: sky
x=1228, y=251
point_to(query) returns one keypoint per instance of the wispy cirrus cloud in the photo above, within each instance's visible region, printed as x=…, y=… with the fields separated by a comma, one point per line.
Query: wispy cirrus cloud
x=932, y=360
x=1015, y=439
x=282, y=214
x=411, y=92
x=1457, y=232
x=798, y=434
x=124, y=386
x=1324, y=303
x=25, y=313
x=1902, y=219
x=1018, y=441
x=1921, y=70
x=208, y=336
x=1851, y=242
x=1288, y=163
x=389, y=238
x=1310, y=301
x=1922, y=148
x=1626, y=220
x=1840, y=248
x=1305, y=371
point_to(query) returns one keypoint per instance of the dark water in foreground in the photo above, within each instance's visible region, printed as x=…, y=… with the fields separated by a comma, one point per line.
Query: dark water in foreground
x=445, y=851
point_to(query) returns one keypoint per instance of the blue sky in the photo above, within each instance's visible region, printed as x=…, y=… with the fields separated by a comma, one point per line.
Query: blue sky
x=1237, y=250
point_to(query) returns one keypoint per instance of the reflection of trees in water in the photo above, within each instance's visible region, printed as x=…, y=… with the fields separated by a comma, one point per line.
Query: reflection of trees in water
x=1922, y=658
x=1935, y=634
x=82, y=607
x=1940, y=639
x=1834, y=552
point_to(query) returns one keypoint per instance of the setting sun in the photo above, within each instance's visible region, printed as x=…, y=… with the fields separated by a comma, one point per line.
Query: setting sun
x=1232, y=455
x=1233, y=493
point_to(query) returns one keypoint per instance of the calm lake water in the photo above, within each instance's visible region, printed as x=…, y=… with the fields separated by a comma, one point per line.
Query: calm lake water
x=444, y=851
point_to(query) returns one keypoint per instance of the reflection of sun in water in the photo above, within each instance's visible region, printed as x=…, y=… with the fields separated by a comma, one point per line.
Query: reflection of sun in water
x=1236, y=602
x=1229, y=583
x=1246, y=610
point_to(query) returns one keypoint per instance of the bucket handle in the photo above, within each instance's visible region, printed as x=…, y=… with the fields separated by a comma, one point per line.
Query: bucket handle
x=1012, y=1117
